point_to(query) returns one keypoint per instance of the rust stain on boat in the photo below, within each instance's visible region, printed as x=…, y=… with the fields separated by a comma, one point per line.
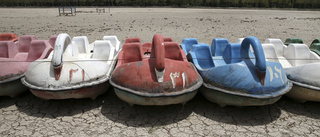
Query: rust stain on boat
x=57, y=72
x=82, y=74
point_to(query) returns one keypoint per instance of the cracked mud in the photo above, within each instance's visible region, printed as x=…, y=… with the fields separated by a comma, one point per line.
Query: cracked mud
x=107, y=115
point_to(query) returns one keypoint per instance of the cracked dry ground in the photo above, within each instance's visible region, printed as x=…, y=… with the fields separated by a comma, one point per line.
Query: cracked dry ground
x=108, y=115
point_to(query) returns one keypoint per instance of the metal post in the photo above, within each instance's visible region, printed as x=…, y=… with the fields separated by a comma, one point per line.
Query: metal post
x=59, y=11
x=109, y=6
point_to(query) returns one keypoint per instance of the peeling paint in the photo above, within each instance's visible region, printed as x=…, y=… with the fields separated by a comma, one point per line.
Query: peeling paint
x=83, y=74
x=184, y=79
x=173, y=77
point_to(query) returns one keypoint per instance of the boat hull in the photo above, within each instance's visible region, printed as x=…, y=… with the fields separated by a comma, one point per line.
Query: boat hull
x=134, y=99
x=302, y=94
x=12, y=88
x=84, y=92
x=223, y=98
x=151, y=99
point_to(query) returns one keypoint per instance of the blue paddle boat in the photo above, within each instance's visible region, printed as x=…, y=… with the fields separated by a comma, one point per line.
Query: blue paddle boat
x=233, y=75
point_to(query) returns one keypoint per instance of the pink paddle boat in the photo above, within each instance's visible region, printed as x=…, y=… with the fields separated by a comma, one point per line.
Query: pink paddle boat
x=8, y=37
x=15, y=58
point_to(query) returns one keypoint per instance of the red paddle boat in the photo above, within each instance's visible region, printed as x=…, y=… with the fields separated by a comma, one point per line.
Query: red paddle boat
x=155, y=73
x=8, y=37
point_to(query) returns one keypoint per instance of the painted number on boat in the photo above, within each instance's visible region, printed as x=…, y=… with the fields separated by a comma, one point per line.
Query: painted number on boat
x=274, y=73
x=175, y=75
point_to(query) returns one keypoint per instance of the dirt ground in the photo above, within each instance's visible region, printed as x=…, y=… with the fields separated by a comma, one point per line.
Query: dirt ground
x=109, y=116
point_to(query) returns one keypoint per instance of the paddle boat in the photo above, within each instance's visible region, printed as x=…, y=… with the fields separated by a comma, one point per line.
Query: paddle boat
x=154, y=73
x=8, y=37
x=315, y=46
x=293, y=40
x=15, y=58
x=74, y=70
x=233, y=75
x=299, y=63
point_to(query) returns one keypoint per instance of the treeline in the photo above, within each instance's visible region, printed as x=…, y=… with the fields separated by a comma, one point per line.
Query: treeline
x=173, y=3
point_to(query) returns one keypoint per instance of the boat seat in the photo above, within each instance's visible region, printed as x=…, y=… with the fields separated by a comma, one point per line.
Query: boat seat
x=8, y=37
x=133, y=40
x=297, y=54
x=203, y=56
x=131, y=53
x=82, y=44
x=232, y=53
x=218, y=46
x=52, y=40
x=103, y=50
x=187, y=44
x=8, y=49
x=167, y=39
x=114, y=41
x=293, y=40
x=279, y=46
x=25, y=41
x=172, y=51
x=315, y=46
x=270, y=52
x=4, y=49
x=239, y=40
x=39, y=49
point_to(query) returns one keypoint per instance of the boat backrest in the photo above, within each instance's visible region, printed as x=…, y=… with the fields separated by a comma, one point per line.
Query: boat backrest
x=131, y=52
x=172, y=51
x=114, y=41
x=8, y=49
x=218, y=45
x=103, y=50
x=187, y=44
x=270, y=52
x=4, y=49
x=239, y=40
x=315, y=46
x=278, y=45
x=293, y=40
x=8, y=37
x=25, y=41
x=316, y=41
x=133, y=40
x=52, y=40
x=82, y=44
x=167, y=39
x=297, y=54
x=232, y=53
x=39, y=49
x=202, y=56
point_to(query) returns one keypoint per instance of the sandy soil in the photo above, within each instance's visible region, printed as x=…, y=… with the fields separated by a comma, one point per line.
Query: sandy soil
x=204, y=24
x=109, y=116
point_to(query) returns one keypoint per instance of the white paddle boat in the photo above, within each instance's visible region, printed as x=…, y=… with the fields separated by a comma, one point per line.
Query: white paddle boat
x=75, y=69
